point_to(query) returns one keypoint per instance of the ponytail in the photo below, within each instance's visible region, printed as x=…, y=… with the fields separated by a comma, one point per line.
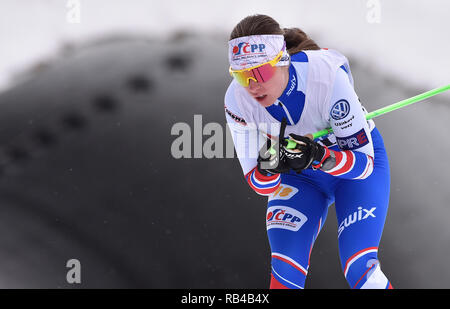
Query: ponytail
x=297, y=40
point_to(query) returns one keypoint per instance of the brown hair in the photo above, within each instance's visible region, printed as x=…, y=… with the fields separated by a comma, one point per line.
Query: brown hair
x=296, y=39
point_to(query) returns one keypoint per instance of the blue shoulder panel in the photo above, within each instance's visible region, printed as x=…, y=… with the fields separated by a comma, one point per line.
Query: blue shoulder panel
x=299, y=57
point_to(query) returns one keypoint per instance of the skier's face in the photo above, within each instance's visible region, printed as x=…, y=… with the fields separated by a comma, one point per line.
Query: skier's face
x=268, y=92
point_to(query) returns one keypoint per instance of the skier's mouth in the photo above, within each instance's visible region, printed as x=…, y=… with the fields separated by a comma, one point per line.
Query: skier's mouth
x=261, y=98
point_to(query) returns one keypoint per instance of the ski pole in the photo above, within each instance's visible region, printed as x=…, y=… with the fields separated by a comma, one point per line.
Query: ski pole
x=391, y=108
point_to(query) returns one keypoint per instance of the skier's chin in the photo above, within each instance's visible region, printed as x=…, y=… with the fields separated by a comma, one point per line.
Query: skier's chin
x=266, y=102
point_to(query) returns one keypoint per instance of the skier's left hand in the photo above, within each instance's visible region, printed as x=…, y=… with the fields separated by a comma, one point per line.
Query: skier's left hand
x=307, y=153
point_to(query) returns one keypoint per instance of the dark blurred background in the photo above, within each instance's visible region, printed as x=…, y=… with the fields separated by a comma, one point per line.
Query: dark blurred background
x=86, y=169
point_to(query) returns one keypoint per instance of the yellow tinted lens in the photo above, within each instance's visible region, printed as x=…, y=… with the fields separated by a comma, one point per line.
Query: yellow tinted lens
x=242, y=77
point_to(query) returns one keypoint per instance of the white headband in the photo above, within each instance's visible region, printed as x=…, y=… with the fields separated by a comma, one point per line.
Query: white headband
x=249, y=51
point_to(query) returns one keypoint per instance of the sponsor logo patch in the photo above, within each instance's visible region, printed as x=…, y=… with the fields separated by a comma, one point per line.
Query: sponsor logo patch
x=282, y=217
x=293, y=84
x=245, y=48
x=355, y=141
x=340, y=110
x=284, y=192
x=357, y=216
x=234, y=117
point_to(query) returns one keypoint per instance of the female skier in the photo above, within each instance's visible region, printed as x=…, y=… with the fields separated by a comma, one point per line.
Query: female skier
x=284, y=88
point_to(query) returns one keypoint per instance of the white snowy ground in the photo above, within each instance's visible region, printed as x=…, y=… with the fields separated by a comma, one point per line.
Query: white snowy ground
x=404, y=39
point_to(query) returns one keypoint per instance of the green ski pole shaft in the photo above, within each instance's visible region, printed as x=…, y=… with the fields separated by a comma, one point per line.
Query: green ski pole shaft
x=393, y=107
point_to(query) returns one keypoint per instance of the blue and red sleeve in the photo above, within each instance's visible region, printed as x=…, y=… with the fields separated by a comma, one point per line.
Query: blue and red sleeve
x=351, y=165
x=262, y=184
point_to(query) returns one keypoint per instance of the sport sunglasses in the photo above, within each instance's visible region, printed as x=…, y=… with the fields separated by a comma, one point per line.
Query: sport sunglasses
x=260, y=73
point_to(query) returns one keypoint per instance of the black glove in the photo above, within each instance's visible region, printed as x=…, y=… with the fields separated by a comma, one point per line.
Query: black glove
x=271, y=159
x=307, y=153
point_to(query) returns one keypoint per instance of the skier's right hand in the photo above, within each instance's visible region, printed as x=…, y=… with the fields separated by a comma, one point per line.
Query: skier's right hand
x=271, y=160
